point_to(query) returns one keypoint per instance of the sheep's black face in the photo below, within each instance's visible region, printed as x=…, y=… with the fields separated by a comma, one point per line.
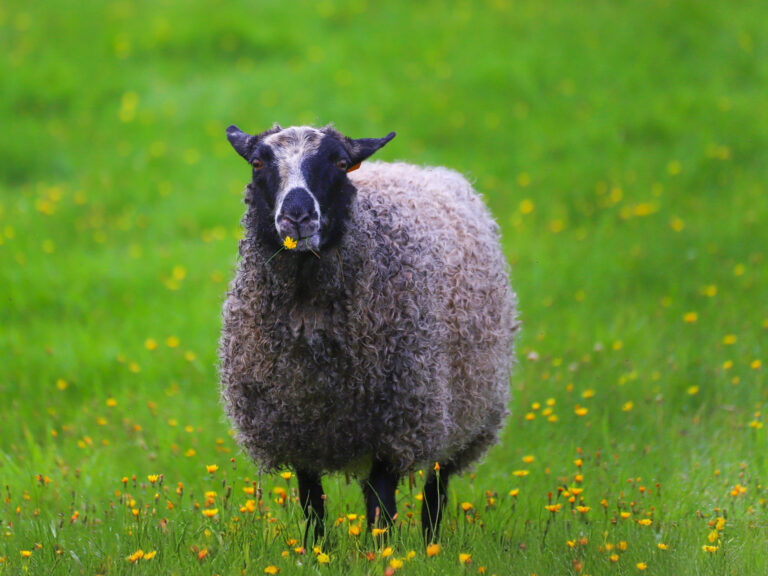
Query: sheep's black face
x=300, y=187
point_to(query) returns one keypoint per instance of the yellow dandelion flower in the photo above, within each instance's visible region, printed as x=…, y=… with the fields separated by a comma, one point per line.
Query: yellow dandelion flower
x=150, y=344
x=466, y=506
x=386, y=552
x=289, y=243
x=433, y=550
x=465, y=558
x=111, y=402
x=323, y=558
x=61, y=384
x=271, y=569
x=376, y=532
x=627, y=406
x=645, y=522
x=662, y=546
x=514, y=492
x=411, y=555
x=626, y=515
x=614, y=557
x=528, y=459
x=149, y=555
x=693, y=390
x=211, y=468
x=583, y=509
x=396, y=564
x=710, y=549
x=641, y=566
x=172, y=342
x=553, y=507
x=720, y=523
x=729, y=339
x=354, y=531
x=690, y=317
x=286, y=475
x=756, y=364
x=520, y=473
x=153, y=478
x=622, y=545
x=26, y=553
x=210, y=513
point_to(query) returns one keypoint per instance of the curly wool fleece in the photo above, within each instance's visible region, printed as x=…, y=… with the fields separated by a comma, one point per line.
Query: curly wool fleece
x=397, y=344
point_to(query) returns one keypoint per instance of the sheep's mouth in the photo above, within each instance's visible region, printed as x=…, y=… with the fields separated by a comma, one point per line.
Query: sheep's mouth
x=309, y=243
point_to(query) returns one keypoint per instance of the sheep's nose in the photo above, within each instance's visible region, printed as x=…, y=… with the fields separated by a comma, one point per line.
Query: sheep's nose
x=298, y=215
x=295, y=219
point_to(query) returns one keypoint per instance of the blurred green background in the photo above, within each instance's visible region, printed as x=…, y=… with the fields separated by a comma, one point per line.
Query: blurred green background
x=622, y=146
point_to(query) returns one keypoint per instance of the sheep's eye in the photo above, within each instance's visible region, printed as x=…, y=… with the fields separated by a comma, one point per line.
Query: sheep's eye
x=342, y=164
x=257, y=164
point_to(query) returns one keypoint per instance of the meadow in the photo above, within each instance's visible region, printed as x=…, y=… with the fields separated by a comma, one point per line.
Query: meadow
x=622, y=147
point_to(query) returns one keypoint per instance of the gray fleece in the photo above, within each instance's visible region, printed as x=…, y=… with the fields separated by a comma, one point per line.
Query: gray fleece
x=396, y=344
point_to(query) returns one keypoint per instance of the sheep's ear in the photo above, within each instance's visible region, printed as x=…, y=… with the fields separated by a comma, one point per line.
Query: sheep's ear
x=242, y=143
x=362, y=148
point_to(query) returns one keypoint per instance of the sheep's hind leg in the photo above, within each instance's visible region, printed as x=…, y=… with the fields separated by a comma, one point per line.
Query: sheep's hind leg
x=435, y=499
x=380, y=505
x=312, y=501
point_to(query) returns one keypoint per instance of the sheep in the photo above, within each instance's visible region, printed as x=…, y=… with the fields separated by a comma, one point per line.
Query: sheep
x=382, y=341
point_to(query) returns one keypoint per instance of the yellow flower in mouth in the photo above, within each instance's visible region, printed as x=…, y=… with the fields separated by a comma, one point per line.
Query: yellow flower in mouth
x=289, y=243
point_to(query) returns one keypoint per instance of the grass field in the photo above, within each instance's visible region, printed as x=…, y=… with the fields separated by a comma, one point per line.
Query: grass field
x=623, y=148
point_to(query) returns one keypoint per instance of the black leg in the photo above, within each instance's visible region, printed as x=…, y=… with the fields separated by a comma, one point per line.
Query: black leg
x=380, y=505
x=312, y=501
x=435, y=499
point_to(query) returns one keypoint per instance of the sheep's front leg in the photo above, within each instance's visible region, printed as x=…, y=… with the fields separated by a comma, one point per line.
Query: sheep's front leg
x=435, y=499
x=312, y=501
x=380, y=505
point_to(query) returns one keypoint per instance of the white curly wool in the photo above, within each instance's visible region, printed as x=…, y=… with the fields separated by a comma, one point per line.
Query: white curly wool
x=396, y=345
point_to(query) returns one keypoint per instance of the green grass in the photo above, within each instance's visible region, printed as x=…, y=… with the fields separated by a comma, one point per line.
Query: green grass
x=623, y=147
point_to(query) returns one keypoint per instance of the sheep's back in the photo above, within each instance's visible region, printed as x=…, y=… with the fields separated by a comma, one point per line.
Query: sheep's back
x=455, y=236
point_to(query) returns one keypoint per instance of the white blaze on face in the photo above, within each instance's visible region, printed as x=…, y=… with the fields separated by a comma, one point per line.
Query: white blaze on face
x=291, y=147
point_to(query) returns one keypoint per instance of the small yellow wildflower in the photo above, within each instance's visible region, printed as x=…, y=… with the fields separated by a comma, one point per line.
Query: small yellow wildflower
x=150, y=344
x=61, y=384
x=690, y=317
x=376, y=532
x=641, y=566
x=662, y=546
x=514, y=492
x=271, y=569
x=26, y=553
x=289, y=243
x=286, y=475
x=614, y=557
x=465, y=558
x=387, y=552
x=645, y=521
x=520, y=473
x=153, y=478
x=710, y=549
x=433, y=550
x=396, y=564
x=211, y=468
x=553, y=507
x=466, y=506
x=149, y=555
x=210, y=513
x=323, y=558
x=354, y=531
